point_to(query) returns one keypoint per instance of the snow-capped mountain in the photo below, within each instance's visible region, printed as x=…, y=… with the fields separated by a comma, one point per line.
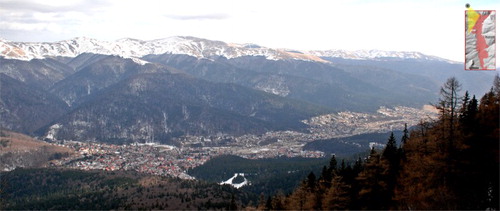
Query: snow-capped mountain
x=133, y=48
x=196, y=47
x=181, y=86
x=374, y=54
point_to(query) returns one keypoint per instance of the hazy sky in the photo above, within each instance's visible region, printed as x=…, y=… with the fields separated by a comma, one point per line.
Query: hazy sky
x=434, y=27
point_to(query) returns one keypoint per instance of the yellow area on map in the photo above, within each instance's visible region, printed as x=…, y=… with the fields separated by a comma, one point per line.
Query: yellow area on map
x=472, y=17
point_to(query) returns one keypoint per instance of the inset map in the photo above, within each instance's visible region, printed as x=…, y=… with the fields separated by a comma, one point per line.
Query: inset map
x=480, y=39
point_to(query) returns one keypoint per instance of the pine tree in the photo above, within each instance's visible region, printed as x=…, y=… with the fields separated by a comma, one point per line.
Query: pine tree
x=325, y=178
x=404, y=139
x=358, y=165
x=342, y=166
x=405, y=136
x=350, y=178
x=465, y=103
x=391, y=160
x=468, y=115
x=333, y=164
x=337, y=197
x=391, y=150
x=373, y=193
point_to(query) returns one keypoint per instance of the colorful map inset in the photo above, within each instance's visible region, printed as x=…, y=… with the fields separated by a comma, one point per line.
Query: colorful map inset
x=480, y=39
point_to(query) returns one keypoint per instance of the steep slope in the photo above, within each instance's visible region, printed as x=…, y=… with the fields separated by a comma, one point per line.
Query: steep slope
x=41, y=73
x=85, y=59
x=96, y=73
x=307, y=81
x=336, y=87
x=476, y=82
x=25, y=109
x=156, y=107
x=414, y=88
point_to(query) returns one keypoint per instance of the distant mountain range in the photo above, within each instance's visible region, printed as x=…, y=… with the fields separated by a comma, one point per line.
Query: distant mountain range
x=133, y=90
x=192, y=46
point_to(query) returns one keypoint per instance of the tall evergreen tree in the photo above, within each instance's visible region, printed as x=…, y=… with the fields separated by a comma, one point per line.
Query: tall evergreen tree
x=405, y=136
x=342, y=165
x=468, y=115
x=391, y=159
x=333, y=164
x=391, y=150
x=465, y=103
x=351, y=179
x=358, y=165
x=326, y=177
x=404, y=139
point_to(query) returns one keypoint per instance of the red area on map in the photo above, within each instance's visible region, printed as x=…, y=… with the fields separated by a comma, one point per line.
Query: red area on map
x=481, y=45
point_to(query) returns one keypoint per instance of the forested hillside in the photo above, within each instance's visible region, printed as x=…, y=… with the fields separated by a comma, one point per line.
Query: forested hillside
x=450, y=163
x=59, y=189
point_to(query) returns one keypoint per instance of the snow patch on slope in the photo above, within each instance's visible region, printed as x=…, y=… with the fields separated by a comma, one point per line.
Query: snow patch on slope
x=53, y=131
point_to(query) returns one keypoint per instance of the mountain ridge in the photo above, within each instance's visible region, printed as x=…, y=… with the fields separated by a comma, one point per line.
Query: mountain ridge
x=193, y=46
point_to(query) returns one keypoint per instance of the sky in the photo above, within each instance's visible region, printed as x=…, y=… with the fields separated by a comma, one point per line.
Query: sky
x=433, y=27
